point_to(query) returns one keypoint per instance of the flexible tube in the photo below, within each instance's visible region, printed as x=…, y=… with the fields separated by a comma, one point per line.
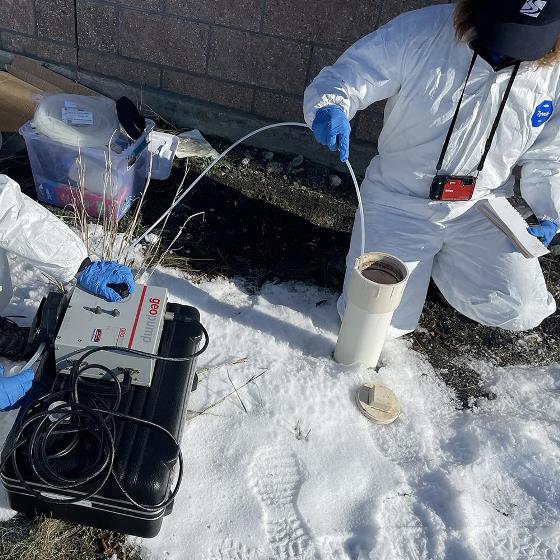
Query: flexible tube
x=35, y=357
x=223, y=154
x=49, y=115
x=360, y=210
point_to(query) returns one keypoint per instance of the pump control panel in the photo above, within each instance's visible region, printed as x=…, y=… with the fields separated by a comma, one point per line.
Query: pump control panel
x=134, y=323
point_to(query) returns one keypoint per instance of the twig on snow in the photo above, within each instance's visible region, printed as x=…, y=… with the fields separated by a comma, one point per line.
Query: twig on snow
x=225, y=397
x=202, y=372
x=237, y=392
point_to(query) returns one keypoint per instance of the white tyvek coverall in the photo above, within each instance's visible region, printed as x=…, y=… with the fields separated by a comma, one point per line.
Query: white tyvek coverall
x=416, y=62
x=39, y=237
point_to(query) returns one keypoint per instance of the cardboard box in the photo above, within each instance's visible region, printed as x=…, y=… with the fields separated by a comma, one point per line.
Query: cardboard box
x=33, y=73
x=21, y=86
x=17, y=102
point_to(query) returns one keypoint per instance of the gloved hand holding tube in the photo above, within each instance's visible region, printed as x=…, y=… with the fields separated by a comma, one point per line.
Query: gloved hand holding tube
x=332, y=129
x=12, y=389
x=545, y=231
x=103, y=278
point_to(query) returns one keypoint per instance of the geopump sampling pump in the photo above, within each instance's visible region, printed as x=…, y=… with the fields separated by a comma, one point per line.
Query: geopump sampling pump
x=96, y=440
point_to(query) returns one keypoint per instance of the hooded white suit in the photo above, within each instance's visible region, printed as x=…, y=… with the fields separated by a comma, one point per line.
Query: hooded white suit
x=32, y=232
x=417, y=64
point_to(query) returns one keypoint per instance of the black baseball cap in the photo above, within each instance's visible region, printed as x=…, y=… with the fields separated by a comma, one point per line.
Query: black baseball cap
x=519, y=29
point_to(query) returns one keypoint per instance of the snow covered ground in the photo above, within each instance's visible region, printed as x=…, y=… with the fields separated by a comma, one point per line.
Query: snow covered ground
x=289, y=469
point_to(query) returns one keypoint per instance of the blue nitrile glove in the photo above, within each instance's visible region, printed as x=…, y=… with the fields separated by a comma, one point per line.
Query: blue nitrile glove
x=99, y=275
x=332, y=129
x=545, y=231
x=12, y=389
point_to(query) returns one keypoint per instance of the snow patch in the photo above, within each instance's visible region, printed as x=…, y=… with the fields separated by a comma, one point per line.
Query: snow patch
x=439, y=483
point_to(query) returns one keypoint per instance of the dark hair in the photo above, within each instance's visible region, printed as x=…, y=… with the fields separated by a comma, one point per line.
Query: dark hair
x=465, y=16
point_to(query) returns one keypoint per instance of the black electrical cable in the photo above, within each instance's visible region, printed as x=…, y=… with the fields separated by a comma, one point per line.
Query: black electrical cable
x=78, y=419
x=119, y=350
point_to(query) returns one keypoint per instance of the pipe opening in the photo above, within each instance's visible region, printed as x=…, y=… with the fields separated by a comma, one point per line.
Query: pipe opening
x=380, y=276
x=382, y=269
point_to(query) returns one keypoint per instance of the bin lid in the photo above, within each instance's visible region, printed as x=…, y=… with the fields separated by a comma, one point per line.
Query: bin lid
x=77, y=120
x=378, y=403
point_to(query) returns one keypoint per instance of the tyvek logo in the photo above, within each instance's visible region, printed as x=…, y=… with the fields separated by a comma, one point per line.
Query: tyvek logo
x=533, y=8
x=542, y=113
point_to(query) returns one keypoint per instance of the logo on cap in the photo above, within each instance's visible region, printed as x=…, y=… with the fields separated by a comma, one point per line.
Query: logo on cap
x=533, y=8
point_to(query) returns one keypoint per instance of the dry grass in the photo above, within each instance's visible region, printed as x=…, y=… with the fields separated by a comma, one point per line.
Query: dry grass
x=22, y=538
x=114, y=239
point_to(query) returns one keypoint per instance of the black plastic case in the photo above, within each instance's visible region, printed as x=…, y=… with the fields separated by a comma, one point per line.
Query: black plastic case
x=144, y=459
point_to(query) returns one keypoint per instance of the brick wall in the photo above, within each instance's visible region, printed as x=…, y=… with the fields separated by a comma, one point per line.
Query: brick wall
x=252, y=55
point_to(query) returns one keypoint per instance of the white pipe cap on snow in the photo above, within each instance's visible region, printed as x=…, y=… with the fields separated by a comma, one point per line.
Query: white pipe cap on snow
x=378, y=403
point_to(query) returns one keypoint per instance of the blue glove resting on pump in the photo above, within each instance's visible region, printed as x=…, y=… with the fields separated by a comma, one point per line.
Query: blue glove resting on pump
x=332, y=129
x=12, y=389
x=109, y=280
x=545, y=231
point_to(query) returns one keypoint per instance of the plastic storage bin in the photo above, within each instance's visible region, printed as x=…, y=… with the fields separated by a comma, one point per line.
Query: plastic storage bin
x=105, y=182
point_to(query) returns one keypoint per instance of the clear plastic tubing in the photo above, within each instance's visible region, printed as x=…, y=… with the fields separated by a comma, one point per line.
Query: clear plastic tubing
x=34, y=358
x=223, y=154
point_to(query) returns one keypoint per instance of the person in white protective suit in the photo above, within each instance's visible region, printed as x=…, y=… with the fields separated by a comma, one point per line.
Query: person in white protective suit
x=31, y=232
x=472, y=90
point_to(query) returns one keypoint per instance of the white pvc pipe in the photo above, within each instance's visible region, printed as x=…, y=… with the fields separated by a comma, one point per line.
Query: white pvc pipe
x=373, y=294
x=223, y=154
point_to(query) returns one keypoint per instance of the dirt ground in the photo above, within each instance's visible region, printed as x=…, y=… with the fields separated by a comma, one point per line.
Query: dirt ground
x=24, y=538
x=261, y=225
